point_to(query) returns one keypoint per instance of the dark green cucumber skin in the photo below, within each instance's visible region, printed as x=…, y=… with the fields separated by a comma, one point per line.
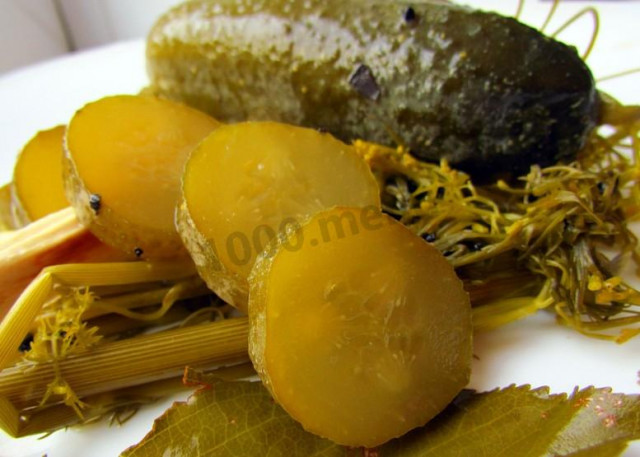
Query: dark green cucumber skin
x=485, y=92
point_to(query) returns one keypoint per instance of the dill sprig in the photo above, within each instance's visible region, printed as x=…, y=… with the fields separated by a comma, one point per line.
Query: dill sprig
x=557, y=238
x=61, y=333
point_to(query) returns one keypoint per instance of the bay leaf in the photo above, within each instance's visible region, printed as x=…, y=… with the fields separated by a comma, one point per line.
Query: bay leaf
x=240, y=418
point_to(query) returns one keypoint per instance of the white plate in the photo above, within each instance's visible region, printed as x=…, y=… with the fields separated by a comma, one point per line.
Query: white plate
x=535, y=351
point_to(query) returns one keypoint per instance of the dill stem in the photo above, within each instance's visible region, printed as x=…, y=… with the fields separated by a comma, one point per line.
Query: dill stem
x=131, y=362
x=24, y=252
x=40, y=235
x=126, y=302
x=114, y=325
x=114, y=403
x=22, y=314
x=167, y=296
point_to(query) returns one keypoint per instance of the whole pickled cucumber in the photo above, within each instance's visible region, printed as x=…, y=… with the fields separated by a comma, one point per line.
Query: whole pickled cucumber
x=484, y=91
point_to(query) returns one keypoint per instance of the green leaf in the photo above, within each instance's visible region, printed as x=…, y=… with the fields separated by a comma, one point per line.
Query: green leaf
x=518, y=421
x=230, y=419
x=240, y=418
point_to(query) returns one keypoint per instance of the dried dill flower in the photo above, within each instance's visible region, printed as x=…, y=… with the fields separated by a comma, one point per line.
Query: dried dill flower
x=558, y=239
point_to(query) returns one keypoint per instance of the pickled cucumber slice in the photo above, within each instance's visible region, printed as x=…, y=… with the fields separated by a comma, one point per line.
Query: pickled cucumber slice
x=7, y=221
x=37, y=188
x=123, y=164
x=361, y=333
x=247, y=182
x=491, y=95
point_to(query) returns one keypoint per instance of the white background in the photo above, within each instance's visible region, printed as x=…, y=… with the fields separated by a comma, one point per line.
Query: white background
x=32, y=30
